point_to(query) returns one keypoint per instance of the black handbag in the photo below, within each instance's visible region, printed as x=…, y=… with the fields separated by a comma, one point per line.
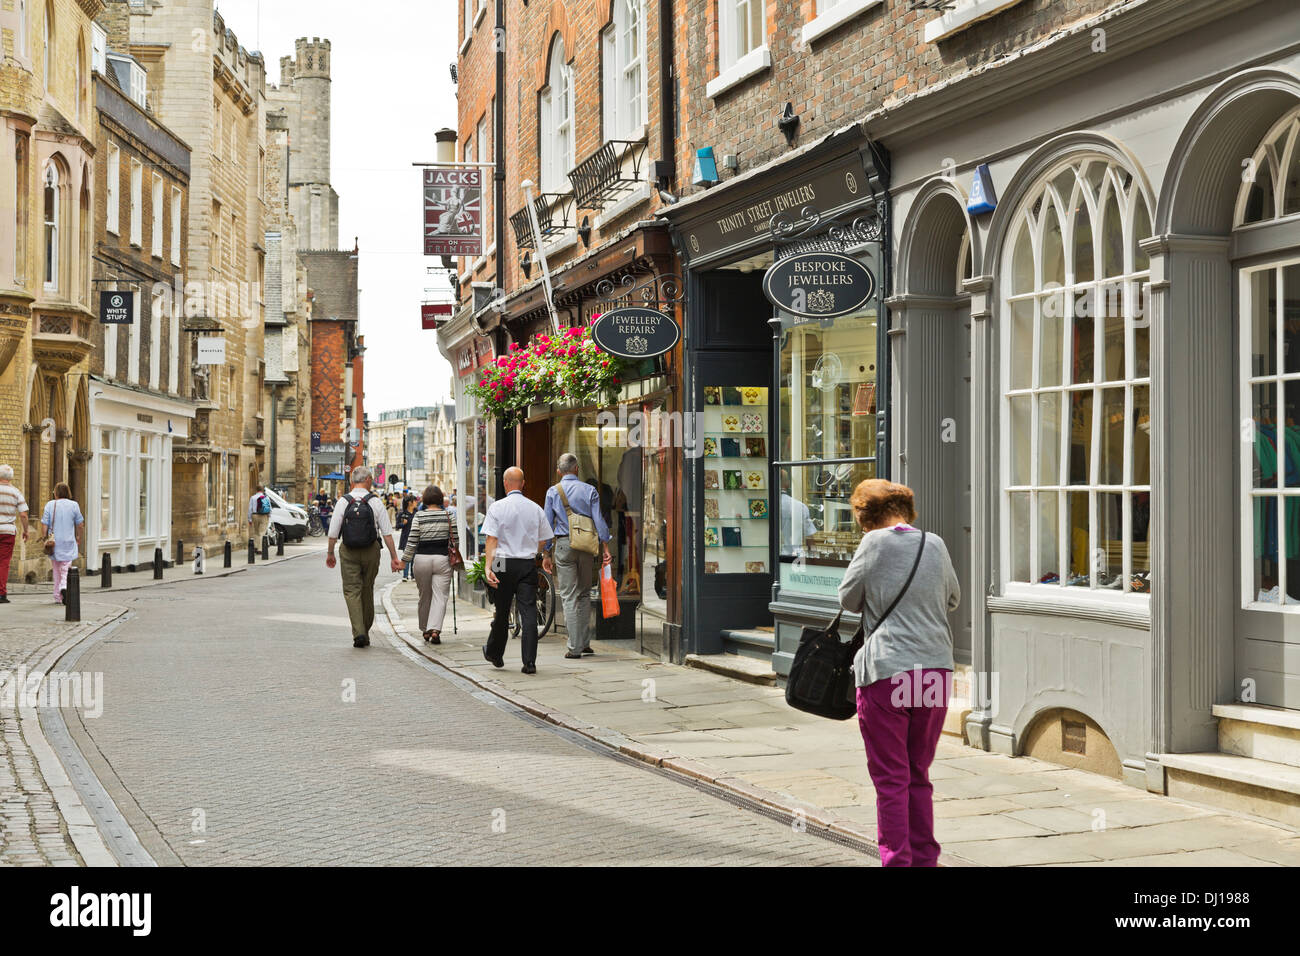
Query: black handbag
x=821, y=677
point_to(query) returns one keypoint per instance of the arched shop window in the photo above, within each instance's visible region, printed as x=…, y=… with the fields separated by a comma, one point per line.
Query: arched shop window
x=1270, y=378
x=1076, y=460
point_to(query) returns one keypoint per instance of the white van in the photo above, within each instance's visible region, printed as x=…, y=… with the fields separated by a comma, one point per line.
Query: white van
x=286, y=519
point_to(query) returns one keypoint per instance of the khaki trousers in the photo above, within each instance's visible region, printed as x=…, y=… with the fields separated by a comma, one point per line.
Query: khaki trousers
x=433, y=578
x=359, y=568
x=573, y=570
x=258, y=529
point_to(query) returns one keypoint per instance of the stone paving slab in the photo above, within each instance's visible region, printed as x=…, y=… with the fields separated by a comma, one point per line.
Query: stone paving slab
x=990, y=809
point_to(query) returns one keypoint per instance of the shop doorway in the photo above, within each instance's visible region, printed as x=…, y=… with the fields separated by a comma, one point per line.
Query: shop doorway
x=932, y=388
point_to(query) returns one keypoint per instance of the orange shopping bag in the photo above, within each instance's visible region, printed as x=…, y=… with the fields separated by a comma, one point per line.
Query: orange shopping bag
x=608, y=593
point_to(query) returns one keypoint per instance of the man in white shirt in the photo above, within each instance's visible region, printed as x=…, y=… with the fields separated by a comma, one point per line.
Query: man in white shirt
x=359, y=552
x=13, y=512
x=516, y=530
x=257, y=516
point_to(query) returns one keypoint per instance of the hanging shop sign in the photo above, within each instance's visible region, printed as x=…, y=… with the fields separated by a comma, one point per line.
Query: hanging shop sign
x=453, y=211
x=635, y=332
x=116, y=308
x=433, y=312
x=212, y=350
x=819, y=285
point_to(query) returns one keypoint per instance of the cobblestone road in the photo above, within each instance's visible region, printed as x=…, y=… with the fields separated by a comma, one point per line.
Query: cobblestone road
x=247, y=730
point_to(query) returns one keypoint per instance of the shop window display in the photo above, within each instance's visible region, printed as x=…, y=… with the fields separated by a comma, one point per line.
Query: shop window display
x=827, y=445
x=1077, y=375
x=734, y=427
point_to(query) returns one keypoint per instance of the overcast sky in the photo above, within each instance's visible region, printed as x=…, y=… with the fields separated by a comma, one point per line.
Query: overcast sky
x=391, y=89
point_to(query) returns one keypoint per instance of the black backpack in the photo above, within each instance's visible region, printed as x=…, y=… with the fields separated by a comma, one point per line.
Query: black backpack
x=359, y=529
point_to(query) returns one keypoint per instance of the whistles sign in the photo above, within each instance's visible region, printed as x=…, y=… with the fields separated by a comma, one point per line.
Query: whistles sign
x=453, y=211
x=819, y=285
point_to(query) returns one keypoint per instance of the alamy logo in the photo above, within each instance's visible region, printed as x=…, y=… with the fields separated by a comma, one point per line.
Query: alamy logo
x=74, y=909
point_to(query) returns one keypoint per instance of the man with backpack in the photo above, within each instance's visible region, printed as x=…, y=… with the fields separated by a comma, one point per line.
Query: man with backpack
x=581, y=536
x=259, y=513
x=360, y=521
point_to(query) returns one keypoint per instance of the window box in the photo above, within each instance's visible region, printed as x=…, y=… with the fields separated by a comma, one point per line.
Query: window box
x=608, y=174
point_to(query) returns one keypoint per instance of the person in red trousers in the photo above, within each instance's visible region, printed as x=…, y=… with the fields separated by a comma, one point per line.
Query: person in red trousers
x=904, y=670
x=13, y=514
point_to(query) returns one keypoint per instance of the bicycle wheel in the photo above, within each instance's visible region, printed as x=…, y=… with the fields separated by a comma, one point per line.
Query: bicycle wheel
x=545, y=603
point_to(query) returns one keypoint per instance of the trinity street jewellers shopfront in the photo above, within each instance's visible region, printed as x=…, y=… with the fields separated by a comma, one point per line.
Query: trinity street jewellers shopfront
x=785, y=374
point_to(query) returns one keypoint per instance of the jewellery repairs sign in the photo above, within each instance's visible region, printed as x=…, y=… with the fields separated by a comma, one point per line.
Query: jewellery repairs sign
x=635, y=332
x=819, y=285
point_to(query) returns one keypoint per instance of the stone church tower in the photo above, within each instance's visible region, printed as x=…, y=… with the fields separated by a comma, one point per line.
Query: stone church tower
x=304, y=96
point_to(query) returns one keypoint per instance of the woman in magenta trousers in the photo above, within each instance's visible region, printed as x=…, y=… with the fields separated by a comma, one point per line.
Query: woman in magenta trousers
x=904, y=671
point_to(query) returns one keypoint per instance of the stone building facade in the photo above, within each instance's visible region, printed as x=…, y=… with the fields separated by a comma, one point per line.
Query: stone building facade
x=139, y=404
x=288, y=328
x=47, y=152
x=212, y=93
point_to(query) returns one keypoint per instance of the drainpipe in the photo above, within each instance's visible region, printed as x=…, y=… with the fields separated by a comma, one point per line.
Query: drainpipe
x=667, y=88
x=499, y=213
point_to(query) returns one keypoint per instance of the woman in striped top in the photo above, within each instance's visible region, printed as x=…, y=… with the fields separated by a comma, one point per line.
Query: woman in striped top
x=426, y=547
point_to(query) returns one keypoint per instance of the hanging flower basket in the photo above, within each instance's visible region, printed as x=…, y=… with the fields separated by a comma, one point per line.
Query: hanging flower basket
x=570, y=369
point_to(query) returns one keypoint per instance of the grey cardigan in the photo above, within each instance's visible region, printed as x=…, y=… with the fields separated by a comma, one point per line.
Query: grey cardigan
x=916, y=634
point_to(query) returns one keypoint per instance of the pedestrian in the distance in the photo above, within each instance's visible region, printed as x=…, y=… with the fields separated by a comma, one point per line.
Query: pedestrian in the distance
x=404, y=518
x=259, y=514
x=904, y=671
x=361, y=521
x=13, y=515
x=61, y=520
x=516, y=531
x=568, y=503
x=426, y=552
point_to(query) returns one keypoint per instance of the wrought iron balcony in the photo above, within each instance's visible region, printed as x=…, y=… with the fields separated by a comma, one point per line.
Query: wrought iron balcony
x=554, y=216
x=608, y=174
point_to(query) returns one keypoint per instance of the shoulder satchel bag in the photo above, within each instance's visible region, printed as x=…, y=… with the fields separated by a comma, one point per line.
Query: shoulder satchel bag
x=821, y=677
x=49, y=540
x=582, y=529
x=454, y=559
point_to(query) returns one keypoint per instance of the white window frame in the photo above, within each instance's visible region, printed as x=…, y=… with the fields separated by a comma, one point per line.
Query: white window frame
x=156, y=239
x=832, y=14
x=156, y=306
x=624, y=90
x=133, y=342
x=963, y=14
x=137, y=203
x=177, y=215
x=1131, y=283
x=739, y=60
x=174, y=346
x=114, y=191
x=556, y=114
x=52, y=220
x=22, y=40
x=98, y=47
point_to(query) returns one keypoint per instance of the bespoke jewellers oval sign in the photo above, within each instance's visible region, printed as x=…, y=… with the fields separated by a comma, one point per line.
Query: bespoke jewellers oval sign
x=635, y=332
x=819, y=285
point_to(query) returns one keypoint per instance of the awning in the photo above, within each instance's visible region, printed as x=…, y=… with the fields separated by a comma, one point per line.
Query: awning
x=334, y=476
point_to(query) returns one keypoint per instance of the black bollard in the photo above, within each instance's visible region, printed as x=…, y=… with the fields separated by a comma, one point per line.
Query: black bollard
x=266, y=548
x=72, y=596
x=157, y=564
x=279, y=545
x=106, y=572
x=225, y=558
x=180, y=552
x=252, y=551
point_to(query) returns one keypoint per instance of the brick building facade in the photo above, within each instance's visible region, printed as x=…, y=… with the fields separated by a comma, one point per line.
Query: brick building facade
x=47, y=151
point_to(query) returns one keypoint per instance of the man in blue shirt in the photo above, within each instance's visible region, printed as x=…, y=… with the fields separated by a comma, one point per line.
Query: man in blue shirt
x=573, y=569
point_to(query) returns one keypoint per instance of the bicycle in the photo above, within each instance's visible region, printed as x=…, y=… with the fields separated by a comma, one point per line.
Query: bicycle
x=545, y=606
x=315, y=522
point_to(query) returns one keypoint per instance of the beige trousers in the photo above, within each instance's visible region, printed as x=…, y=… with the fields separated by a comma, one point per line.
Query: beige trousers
x=433, y=577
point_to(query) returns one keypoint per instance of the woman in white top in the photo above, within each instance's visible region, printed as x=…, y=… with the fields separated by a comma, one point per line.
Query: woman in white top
x=62, y=520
